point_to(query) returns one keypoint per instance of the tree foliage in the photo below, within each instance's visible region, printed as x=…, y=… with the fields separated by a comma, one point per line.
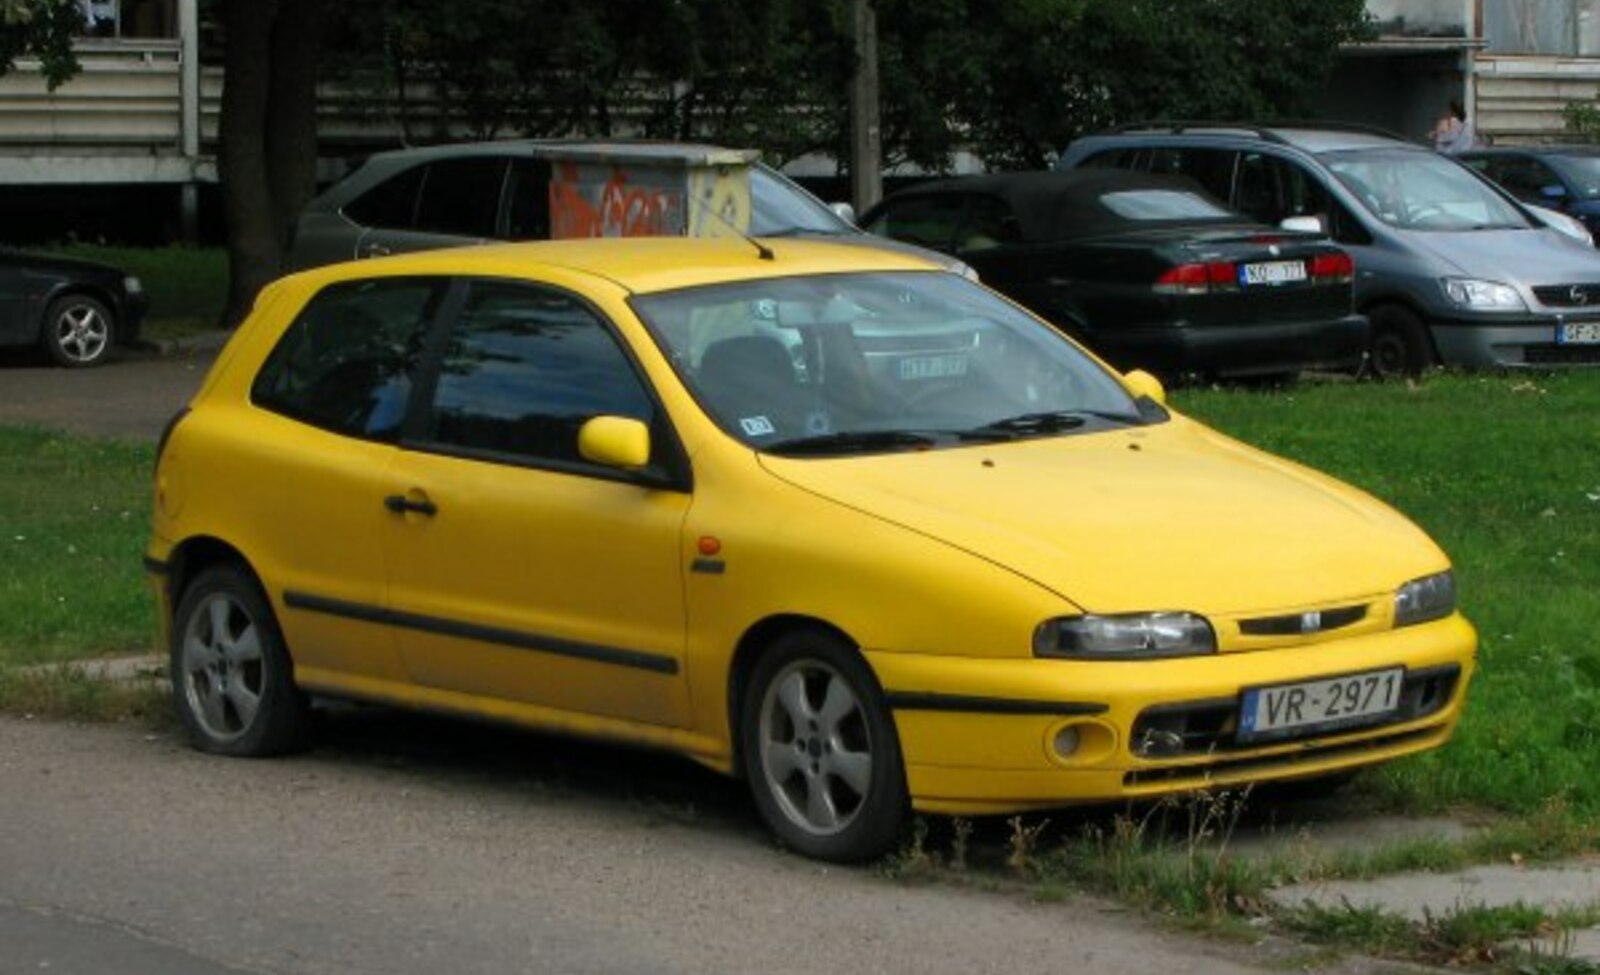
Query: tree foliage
x=44, y=29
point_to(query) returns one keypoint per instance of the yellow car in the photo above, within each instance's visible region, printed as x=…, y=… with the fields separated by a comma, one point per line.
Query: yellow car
x=833, y=520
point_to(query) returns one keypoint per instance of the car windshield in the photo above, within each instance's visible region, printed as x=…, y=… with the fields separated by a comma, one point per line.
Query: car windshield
x=876, y=362
x=779, y=206
x=1423, y=191
x=1582, y=173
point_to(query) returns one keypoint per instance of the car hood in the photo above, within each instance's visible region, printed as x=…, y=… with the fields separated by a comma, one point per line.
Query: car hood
x=56, y=265
x=1174, y=517
x=1526, y=257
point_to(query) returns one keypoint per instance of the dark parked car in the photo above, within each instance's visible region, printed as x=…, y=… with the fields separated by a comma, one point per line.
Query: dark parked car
x=73, y=310
x=1146, y=270
x=1565, y=178
x=1450, y=268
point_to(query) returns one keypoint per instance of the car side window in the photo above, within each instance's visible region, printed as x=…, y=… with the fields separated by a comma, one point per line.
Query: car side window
x=348, y=361
x=1526, y=179
x=528, y=200
x=523, y=369
x=461, y=197
x=392, y=203
x=988, y=224
x=930, y=221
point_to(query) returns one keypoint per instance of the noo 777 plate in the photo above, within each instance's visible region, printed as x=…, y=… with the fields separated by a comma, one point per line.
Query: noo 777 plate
x=1319, y=705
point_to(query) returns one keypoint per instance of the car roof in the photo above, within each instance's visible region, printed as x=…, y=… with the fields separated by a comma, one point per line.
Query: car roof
x=1308, y=137
x=582, y=150
x=1061, y=204
x=640, y=265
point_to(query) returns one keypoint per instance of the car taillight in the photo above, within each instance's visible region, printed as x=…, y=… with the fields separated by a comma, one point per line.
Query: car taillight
x=1198, y=279
x=1333, y=268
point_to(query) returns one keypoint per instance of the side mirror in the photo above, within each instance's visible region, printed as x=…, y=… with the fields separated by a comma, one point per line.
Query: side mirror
x=1141, y=383
x=615, y=441
x=845, y=212
x=1303, y=225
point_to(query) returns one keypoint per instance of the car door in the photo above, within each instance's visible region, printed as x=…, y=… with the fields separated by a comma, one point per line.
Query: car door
x=330, y=399
x=519, y=571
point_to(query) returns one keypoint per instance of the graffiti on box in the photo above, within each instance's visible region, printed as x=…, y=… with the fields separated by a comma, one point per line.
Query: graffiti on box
x=618, y=200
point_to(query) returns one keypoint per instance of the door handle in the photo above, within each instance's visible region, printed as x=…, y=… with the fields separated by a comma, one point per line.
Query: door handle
x=400, y=504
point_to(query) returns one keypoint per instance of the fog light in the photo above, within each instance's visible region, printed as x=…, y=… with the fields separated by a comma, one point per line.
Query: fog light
x=1067, y=741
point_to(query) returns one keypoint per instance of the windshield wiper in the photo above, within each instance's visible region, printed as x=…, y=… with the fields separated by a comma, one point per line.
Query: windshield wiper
x=1052, y=421
x=854, y=441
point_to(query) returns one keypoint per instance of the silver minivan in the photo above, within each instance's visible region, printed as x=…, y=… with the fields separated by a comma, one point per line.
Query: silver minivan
x=1450, y=269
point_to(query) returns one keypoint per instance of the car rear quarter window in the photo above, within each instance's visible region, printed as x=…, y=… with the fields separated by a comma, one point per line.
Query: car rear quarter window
x=523, y=368
x=930, y=221
x=989, y=223
x=392, y=203
x=528, y=200
x=348, y=361
x=1211, y=168
x=461, y=197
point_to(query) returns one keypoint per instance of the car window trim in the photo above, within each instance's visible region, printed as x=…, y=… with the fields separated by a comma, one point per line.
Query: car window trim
x=673, y=474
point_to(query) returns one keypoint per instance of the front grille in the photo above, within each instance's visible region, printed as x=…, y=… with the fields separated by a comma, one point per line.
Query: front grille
x=1264, y=763
x=1561, y=355
x=1568, y=295
x=1210, y=727
x=1297, y=624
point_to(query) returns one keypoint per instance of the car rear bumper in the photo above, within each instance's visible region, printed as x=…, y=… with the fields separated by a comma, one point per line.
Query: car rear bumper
x=981, y=736
x=1256, y=349
x=1516, y=343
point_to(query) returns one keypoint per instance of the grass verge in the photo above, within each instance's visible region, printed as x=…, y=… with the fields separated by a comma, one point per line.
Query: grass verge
x=187, y=286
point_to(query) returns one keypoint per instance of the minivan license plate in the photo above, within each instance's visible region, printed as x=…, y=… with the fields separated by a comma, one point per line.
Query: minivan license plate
x=1272, y=272
x=1578, y=333
x=1334, y=702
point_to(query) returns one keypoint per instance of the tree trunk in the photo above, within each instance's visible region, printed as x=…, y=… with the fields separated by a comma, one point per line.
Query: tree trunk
x=267, y=152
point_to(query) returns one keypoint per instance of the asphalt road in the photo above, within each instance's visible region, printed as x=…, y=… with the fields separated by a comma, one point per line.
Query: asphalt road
x=409, y=845
x=132, y=397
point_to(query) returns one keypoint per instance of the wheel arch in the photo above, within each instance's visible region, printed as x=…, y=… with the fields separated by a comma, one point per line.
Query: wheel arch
x=1408, y=304
x=86, y=289
x=193, y=556
x=752, y=644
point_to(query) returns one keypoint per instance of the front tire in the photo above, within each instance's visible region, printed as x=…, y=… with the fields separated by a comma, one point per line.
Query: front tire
x=78, y=331
x=232, y=679
x=820, y=750
x=1397, y=346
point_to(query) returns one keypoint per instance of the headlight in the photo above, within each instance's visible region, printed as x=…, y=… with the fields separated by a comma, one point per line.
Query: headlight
x=1485, y=295
x=1134, y=636
x=1429, y=598
x=132, y=285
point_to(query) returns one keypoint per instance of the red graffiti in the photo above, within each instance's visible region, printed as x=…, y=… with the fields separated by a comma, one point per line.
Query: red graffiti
x=616, y=210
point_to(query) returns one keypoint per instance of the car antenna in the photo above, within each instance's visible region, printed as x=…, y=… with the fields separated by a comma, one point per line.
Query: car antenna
x=762, y=250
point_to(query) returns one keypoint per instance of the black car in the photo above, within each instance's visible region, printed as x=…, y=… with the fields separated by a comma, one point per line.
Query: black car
x=73, y=310
x=1146, y=270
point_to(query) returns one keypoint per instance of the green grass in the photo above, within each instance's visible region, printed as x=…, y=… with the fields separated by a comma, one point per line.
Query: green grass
x=74, y=516
x=1504, y=472
x=187, y=286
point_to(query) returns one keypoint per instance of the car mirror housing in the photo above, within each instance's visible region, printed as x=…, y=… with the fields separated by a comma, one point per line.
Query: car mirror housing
x=845, y=212
x=615, y=441
x=1142, y=383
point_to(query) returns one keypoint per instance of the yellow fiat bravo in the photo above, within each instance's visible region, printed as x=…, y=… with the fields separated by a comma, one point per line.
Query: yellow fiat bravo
x=830, y=519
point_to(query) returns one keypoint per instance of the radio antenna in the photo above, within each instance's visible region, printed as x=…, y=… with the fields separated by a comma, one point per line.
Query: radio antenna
x=762, y=250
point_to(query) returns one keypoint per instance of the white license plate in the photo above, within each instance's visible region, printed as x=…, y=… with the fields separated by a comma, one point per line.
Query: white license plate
x=933, y=366
x=1334, y=702
x=1272, y=272
x=1578, y=333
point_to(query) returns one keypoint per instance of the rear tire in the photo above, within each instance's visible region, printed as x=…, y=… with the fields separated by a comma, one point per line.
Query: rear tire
x=1397, y=346
x=78, y=331
x=232, y=679
x=820, y=751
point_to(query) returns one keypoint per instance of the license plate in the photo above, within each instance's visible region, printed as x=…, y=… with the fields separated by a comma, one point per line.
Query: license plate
x=1578, y=333
x=1334, y=702
x=932, y=366
x=1272, y=272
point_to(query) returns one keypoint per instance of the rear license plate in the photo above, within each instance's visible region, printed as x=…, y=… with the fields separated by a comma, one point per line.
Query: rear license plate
x=1578, y=333
x=1320, y=705
x=1272, y=272
x=932, y=366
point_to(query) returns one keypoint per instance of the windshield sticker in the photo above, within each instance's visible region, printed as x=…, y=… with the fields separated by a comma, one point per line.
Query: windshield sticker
x=757, y=426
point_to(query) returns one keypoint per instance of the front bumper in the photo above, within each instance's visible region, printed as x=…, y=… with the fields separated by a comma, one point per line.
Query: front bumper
x=979, y=736
x=1256, y=349
x=1524, y=341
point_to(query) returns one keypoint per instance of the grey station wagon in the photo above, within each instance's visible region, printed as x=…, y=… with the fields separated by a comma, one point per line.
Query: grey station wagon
x=1450, y=268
